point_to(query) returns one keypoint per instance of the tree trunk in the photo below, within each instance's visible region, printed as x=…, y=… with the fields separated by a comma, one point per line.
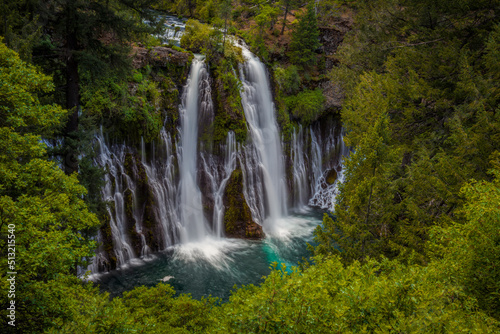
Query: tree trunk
x=225, y=33
x=190, y=8
x=284, y=19
x=72, y=91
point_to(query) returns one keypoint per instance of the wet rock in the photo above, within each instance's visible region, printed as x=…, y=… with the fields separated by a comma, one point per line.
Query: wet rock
x=331, y=177
x=238, y=218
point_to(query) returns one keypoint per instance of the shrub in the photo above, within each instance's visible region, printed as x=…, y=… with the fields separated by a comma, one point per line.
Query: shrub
x=288, y=79
x=307, y=105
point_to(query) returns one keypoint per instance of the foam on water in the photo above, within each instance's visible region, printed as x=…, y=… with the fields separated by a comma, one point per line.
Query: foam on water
x=213, y=251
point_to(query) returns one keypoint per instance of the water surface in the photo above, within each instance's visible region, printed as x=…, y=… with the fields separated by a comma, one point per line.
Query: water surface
x=214, y=266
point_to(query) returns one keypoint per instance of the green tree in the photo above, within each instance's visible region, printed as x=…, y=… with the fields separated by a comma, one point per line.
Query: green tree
x=39, y=204
x=267, y=17
x=225, y=10
x=287, y=5
x=305, y=39
x=471, y=251
x=435, y=82
x=306, y=106
x=76, y=37
x=329, y=297
x=20, y=27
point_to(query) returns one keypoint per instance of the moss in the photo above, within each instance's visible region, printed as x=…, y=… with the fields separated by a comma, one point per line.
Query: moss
x=229, y=113
x=135, y=239
x=135, y=107
x=238, y=217
x=282, y=115
x=107, y=242
x=169, y=102
x=331, y=177
x=142, y=177
x=129, y=164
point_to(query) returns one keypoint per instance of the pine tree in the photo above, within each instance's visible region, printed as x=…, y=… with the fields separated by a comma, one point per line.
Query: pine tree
x=287, y=6
x=305, y=39
x=78, y=36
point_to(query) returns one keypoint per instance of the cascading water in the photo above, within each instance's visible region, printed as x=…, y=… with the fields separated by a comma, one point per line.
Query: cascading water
x=163, y=188
x=218, y=173
x=265, y=148
x=116, y=183
x=299, y=170
x=174, y=29
x=191, y=210
x=333, y=150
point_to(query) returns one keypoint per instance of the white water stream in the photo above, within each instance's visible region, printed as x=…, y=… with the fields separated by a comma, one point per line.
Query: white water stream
x=264, y=153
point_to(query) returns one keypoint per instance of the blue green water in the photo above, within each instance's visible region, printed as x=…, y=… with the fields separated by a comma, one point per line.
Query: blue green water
x=214, y=266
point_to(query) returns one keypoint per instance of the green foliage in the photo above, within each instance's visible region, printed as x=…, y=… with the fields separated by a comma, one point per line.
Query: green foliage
x=230, y=115
x=432, y=89
x=471, y=251
x=267, y=17
x=44, y=204
x=305, y=39
x=328, y=11
x=137, y=77
x=288, y=79
x=196, y=37
x=20, y=31
x=307, y=105
x=330, y=298
x=134, y=107
x=157, y=309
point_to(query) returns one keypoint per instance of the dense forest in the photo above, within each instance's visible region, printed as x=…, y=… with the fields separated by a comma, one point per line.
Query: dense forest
x=413, y=244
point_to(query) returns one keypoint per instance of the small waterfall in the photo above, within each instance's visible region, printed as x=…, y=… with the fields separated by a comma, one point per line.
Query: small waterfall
x=174, y=29
x=163, y=187
x=117, y=182
x=326, y=159
x=229, y=166
x=253, y=182
x=191, y=209
x=299, y=170
x=316, y=162
x=218, y=172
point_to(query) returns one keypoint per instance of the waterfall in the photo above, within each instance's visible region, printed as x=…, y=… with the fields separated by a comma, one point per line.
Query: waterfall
x=191, y=210
x=174, y=29
x=218, y=171
x=229, y=166
x=326, y=158
x=116, y=183
x=171, y=191
x=264, y=154
x=162, y=186
x=299, y=170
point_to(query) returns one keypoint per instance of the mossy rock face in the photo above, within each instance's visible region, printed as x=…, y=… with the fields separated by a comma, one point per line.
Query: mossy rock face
x=135, y=238
x=238, y=218
x=229, y=113
x=331, y=177
x=207, y=195
x=150, y=228
x=144, y=206
x=107, y=245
